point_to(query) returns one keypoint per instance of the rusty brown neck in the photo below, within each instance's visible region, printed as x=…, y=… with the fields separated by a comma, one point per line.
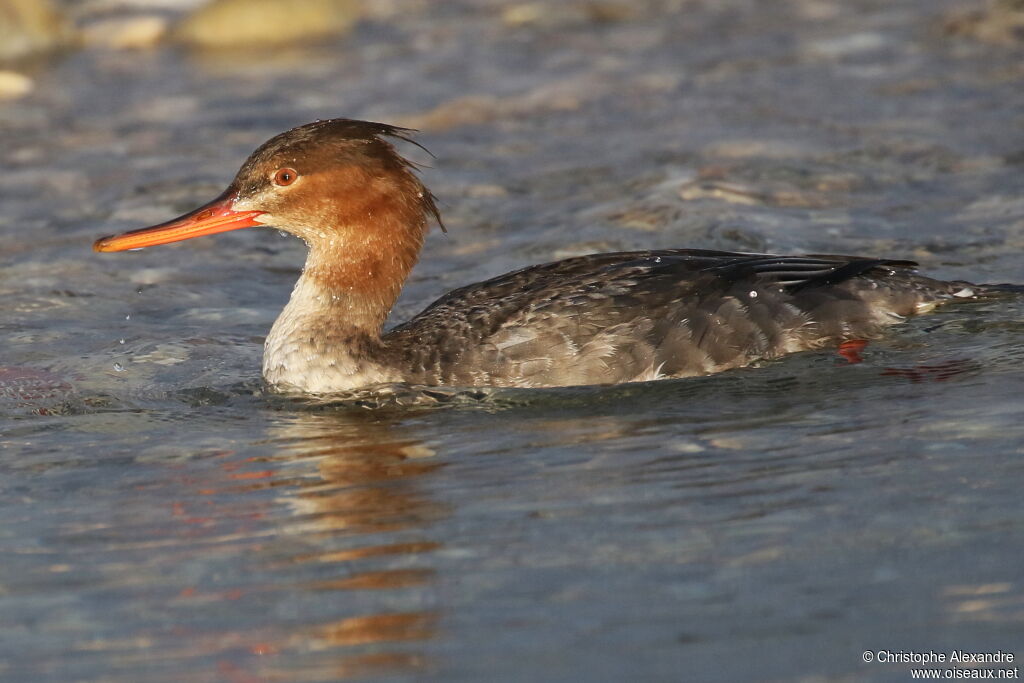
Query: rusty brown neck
x=329, y=333
x=358, y=280
x=363, y=245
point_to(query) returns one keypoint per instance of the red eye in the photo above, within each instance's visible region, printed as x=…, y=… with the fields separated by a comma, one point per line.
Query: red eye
x=285, y=176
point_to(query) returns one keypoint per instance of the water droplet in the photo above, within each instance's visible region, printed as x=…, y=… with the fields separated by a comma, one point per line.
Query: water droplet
x=657, y=259
x=128, y=317
x=120, y=341
x=753, y=294
x=118, y=367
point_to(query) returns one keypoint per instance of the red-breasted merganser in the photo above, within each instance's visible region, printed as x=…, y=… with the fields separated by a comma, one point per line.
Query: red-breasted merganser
x=341, y=186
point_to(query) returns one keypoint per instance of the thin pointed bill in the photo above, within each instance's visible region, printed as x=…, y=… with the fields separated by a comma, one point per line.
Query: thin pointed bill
x=209, y=219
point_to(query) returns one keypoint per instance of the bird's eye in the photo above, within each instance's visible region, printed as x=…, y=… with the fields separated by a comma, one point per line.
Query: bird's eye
x=285, y=176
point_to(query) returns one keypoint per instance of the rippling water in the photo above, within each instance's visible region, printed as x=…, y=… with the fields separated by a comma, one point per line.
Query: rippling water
x=168, y=520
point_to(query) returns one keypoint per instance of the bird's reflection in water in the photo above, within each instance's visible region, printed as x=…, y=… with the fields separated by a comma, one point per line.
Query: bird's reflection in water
x=362, y=524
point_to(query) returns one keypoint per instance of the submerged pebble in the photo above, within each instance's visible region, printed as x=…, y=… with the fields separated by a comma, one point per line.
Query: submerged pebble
x=30, y=27
x=258, y=23
x=999, y=21
x=131, y=33
x=14, y=85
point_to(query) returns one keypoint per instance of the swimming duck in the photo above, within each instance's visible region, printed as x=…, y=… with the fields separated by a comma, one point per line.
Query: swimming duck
x=341, y=186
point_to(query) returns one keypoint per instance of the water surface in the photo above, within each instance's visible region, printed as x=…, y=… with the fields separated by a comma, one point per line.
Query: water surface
x=168, y=520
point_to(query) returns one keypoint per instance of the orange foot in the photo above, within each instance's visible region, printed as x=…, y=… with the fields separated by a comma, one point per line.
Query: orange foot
x=850, y=350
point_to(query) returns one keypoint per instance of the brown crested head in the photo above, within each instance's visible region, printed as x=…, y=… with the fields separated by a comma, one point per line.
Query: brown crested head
x=334, y=175
x=328, y=182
